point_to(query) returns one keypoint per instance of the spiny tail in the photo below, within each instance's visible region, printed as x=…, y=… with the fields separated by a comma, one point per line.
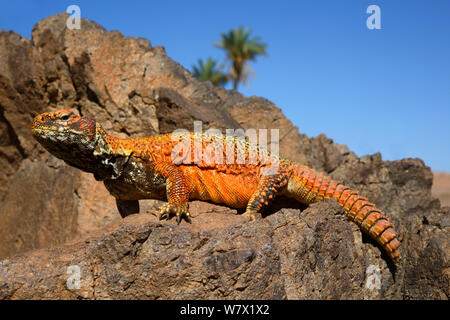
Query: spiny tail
x=308, y=186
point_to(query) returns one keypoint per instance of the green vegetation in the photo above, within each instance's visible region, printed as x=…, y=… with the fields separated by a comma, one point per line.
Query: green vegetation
x=240, y=49
x=207, y=71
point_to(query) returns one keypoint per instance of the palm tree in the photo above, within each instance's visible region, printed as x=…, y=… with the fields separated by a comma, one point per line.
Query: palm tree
x=240, y=49
x=207, y=71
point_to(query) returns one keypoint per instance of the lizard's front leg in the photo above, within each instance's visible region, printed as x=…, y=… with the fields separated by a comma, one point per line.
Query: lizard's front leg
x=177, y=193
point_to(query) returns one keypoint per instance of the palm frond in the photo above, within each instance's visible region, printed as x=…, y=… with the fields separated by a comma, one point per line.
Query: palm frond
x=208, y=71
x=240, y=48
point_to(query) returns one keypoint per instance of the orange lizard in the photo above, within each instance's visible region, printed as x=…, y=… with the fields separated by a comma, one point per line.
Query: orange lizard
x=178, y=168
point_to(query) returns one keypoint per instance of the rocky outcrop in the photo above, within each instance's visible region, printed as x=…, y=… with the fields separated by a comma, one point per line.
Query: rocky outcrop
x=135, y=89
x=313, y=255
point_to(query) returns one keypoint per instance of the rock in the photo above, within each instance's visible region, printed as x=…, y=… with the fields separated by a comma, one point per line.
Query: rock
x=426, y=264
x=441, y=187
x=285, y=256
x=60, y=205
x=134, y=89
x=21, y=96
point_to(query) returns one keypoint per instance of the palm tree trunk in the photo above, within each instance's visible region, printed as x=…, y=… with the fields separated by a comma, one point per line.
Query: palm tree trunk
x=238, y=73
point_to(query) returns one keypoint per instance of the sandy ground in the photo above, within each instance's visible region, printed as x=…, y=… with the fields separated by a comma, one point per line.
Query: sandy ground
x=441, y=187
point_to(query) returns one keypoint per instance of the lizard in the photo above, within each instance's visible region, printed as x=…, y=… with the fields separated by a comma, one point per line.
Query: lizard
x=161, y=167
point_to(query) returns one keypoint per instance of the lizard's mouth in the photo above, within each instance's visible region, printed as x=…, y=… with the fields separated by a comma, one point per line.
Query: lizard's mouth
x=43, y=131
x=38, y=132
x=42, y=128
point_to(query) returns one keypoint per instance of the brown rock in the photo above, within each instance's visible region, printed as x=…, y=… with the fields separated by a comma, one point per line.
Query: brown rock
x=286, y=255
x=29, y=216
x=313, y=255
x=21, y=95
x=441, y=187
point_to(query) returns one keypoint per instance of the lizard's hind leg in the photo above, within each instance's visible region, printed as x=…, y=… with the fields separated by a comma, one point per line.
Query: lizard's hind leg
x=267, y=189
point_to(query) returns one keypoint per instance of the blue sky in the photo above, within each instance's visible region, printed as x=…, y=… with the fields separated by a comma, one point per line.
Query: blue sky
x=382, y=90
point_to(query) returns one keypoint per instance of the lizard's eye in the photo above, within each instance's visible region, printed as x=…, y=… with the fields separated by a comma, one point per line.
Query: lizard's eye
x=65, y=117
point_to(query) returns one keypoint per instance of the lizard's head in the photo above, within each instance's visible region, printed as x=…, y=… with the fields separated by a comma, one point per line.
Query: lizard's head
x=63, y=127
x=79, y=141
x=66, y=135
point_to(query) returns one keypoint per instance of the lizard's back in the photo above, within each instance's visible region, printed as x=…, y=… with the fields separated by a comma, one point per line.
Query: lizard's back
x=217, y=168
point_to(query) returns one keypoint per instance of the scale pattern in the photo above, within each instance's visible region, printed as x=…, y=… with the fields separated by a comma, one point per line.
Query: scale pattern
x=211, y=167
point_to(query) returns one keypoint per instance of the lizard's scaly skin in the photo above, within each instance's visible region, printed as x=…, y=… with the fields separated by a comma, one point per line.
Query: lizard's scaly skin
x=215, y=168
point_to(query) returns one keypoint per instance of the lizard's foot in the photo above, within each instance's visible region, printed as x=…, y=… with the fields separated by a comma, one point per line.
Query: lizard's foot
x=251, y=215
x=167, y=209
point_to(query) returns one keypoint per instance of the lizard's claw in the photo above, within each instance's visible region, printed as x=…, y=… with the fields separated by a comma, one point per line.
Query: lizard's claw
x=167, y=209
x=251, y=215
x=186, y=217
x=164, y=211
x=162, y=215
